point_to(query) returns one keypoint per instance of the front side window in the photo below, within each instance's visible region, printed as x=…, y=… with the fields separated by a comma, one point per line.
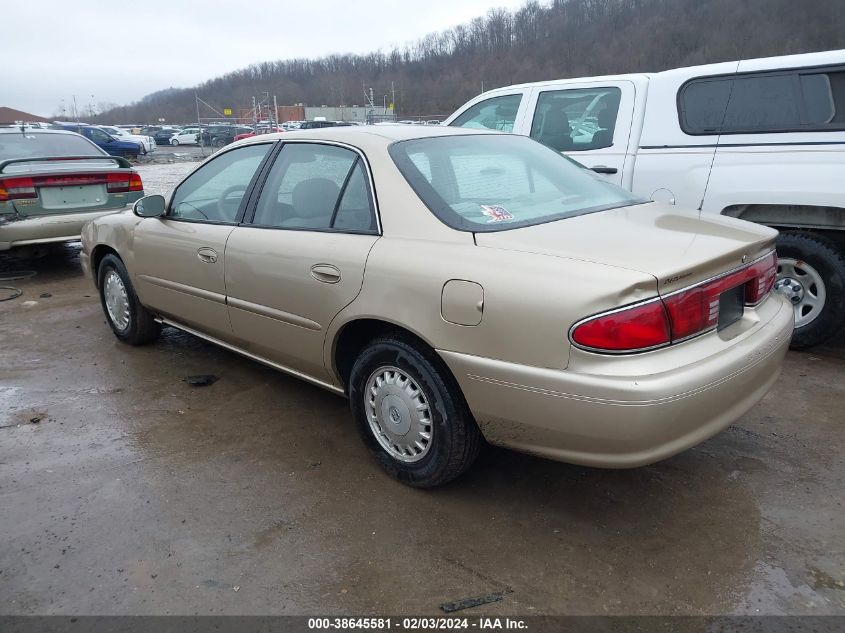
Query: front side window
x=317, y=187
x=577, y=119
x=498, y=113
x=493, y=183
x=765, y=102
x=98, y=136
x=214, y=192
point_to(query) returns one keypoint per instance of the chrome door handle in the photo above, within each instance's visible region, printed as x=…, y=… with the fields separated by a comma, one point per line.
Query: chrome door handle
x=207, y=255
x=326, y=273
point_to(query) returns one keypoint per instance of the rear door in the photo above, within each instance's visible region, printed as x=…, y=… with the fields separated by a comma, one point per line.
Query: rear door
x=588, y=121
x=179, y=259
x=300, y=259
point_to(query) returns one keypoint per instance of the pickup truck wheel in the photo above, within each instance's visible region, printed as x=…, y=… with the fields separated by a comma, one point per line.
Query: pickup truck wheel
x=411, y=414
x=811, y=273
x=130, y=321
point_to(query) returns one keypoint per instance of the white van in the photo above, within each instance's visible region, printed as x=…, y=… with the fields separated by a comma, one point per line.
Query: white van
x=759, y=139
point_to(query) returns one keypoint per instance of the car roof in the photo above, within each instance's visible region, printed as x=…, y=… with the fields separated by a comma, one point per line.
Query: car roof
x=352, y=133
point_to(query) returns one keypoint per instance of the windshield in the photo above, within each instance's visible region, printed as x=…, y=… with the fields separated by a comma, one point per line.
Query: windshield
x=499, y=182
x=31, y=145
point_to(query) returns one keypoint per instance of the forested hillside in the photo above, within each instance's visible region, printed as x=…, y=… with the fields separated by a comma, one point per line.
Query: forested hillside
x=564, y=38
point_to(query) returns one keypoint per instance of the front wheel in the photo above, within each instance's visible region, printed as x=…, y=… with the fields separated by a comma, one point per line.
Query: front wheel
x=811, y=274
x=174, y=142
x=411, y=413
x=129, y=320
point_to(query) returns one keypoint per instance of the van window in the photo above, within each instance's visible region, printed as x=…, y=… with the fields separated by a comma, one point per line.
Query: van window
x=763, y=102
x=578, y=119
x=498, y=113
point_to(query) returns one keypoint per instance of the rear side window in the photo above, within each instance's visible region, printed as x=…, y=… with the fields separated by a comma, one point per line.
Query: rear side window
x=498, y=113
x=578, y=119
x=764, y=102
x=316, y=187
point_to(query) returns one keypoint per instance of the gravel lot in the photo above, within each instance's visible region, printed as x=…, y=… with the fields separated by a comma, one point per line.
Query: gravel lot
x=125, y=491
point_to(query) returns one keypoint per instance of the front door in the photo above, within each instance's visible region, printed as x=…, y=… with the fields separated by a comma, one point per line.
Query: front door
x=588, y=122
x=300, y=259
x=180, y=259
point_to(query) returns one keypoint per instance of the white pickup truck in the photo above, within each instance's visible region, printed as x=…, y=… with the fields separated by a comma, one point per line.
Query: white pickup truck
x=758, y=139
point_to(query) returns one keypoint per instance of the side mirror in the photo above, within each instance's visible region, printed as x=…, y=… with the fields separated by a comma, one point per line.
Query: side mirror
x=149, y=207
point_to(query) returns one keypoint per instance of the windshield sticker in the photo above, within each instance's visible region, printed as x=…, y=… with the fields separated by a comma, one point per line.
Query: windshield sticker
x=496, y=213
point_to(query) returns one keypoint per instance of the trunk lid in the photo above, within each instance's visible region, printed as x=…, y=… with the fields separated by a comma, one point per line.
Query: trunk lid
x=66, y=185
x=679, y=249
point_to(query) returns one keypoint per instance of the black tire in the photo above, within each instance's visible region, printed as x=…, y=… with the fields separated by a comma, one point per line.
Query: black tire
x=174, y=142
x=826, y=258
x=141, y=328
x=455, y=438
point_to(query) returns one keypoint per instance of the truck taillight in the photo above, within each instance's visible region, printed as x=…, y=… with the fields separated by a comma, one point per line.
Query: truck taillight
x=123, y=182
x=675, y=317
x=17, y=189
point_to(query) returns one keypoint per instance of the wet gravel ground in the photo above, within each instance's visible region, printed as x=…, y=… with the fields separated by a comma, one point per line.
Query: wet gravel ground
x=123, y=490
x=160, y=178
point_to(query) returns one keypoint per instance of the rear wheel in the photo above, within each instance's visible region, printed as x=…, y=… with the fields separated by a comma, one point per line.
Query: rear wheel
x=811, y=274
x=411, y=414
x=174, y=141
x=130, y=321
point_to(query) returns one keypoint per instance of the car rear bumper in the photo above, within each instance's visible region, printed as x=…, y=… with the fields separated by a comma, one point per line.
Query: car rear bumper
x=632, y=411
x=47, y=229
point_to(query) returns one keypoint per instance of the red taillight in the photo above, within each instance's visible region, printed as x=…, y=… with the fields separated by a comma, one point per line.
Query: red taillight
x=17, y=189
x=123, y=182
x=677, y=316
x=640, y=327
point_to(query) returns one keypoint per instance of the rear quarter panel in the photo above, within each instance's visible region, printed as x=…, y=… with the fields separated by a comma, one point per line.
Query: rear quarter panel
x=530, y=301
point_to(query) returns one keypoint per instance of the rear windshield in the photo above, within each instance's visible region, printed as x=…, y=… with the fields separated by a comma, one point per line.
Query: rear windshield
x=499, y=182
x=33, y=144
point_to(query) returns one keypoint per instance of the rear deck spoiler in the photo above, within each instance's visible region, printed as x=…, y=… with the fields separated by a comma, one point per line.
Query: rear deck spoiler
x=121, y=162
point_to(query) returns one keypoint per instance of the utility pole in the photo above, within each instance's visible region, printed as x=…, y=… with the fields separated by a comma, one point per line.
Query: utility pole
x=199, y=125
x=75, y=110
x=276, y=110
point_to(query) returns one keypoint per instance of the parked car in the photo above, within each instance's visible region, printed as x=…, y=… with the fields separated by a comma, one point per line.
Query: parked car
x=758, y=139
x=163, y=136
x=493, y=289
x=112, y=145
x=258, y=131
x=211, y=132
x=186, y=136
x=148, y=143
x=52, y=182
x=224, y=137
x=317, y=124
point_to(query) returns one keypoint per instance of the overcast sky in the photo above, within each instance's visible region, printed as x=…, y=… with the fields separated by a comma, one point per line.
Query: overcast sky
x=107, y=52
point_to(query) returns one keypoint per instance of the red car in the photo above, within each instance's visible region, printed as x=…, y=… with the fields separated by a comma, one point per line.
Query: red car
x=260, y=131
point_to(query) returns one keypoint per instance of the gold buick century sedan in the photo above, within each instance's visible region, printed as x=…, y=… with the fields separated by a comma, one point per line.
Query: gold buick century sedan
x=457, y=286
